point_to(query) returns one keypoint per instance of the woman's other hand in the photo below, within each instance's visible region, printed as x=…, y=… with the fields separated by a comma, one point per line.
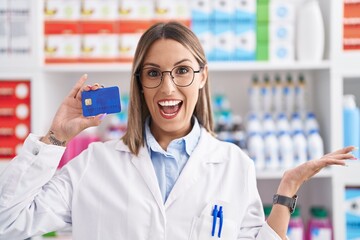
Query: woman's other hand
x=294, y=178
x=68, y=120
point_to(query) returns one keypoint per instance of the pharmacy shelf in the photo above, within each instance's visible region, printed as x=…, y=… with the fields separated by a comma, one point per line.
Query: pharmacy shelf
x=269, y=66
x=87, y=68
x=213, y=66
x=351, y=74
x=349, y=63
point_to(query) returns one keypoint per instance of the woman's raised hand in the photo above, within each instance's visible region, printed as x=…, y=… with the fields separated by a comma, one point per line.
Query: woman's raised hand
x=294, y=178
x=68, y=120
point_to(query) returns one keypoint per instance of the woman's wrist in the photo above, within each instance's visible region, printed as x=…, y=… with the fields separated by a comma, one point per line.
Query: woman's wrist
x=55, y=139
x=288, y=185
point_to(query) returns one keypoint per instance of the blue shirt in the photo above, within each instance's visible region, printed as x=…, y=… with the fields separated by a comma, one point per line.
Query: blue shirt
x=169, y=164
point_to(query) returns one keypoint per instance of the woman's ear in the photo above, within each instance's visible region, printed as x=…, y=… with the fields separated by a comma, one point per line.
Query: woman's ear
x=204, y=76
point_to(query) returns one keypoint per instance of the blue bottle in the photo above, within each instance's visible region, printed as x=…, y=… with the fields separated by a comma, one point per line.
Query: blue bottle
x=351, y=123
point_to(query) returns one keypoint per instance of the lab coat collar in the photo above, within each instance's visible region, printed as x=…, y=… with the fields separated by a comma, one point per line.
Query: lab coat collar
x=194, y=169
x=143, y=164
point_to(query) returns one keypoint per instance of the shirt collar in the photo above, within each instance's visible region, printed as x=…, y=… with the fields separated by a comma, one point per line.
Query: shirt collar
x=190, y=140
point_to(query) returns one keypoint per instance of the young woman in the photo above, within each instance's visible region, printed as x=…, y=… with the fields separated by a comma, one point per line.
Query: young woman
x=167, y=178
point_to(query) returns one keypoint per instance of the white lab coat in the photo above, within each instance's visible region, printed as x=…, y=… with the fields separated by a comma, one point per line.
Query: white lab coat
x=108, y=193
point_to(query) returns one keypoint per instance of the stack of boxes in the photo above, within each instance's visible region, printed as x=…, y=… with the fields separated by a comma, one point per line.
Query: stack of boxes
x=275, y=30
x=226, y=28
x=15, y=20
x=14, y=116
x=109, y=30
x=102, y=30
x=351, y=25
x=245, y=30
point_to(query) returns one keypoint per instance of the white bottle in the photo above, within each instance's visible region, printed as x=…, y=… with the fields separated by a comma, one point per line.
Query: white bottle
x=300, y=105
x=282, y=123
x=311, y=123
x=222, y=130
x=296, y=123
x=286, y=150
x=253, y=124
x=255, y=95
x=266, y=95
x=315, y=145
x=278, y=99
x=271, y=147
x=255, y=147
x=300, y=147
x=310, y=34
x=268, y=123
x=238, y=132
x=289, y=95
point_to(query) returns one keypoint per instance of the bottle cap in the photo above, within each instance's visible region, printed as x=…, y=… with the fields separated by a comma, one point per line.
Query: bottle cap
x=267, y=210
x=296, y=212
x=349, y=101
x=318, y=212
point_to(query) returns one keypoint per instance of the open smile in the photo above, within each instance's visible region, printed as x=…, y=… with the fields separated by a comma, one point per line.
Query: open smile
x=170, y=108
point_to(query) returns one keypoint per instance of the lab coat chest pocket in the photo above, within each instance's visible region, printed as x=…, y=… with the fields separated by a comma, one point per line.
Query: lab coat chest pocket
x=206, y=225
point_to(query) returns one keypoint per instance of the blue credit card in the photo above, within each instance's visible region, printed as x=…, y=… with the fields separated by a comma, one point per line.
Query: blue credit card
x=102, y=100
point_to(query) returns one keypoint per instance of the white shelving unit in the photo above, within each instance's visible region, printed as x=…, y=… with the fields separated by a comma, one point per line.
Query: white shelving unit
x=50, y=83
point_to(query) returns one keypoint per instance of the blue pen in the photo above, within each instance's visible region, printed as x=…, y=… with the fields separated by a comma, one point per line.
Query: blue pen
x=215, y=215
x=221, y=216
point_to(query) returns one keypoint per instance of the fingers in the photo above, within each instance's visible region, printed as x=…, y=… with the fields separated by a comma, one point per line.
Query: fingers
x=94, y=121
x=76, y=89
x=344, y=150
x=94, y=87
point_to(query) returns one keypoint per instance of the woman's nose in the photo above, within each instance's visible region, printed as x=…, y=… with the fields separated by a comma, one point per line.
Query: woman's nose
x=167, y=84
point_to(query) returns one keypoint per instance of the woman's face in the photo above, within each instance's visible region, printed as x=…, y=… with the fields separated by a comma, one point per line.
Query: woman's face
x=171, y=107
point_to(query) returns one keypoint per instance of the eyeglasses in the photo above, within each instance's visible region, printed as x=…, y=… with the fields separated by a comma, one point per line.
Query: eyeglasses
x=151, y=77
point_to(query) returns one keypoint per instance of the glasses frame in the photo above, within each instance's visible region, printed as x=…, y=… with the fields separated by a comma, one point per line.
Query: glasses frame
x=138, y=77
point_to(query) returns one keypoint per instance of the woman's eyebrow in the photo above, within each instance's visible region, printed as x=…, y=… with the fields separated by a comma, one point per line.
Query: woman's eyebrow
x=181, y=61
x=151, y=64
x=158, y=66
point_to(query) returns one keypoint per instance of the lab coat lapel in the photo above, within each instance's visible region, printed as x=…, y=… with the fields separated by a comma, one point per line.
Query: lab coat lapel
x=143, y=164
x=195, y=168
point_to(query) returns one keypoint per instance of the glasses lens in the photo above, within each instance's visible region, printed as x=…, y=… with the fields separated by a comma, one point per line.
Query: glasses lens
x=150, y=77
x=182, y=75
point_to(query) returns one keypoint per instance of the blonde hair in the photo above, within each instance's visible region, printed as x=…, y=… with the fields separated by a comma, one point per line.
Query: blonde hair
x=138, y=110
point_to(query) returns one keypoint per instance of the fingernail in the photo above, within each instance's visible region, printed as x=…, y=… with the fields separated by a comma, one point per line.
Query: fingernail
x=103, y=116
x=85, y=75
x=353, y=158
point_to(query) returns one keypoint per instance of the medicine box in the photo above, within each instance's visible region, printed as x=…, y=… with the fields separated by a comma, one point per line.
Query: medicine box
x=281, y=52
x=283, y=32
x=202, y=30
x=352, y=212
x=281, y=10
x=62, y=42
x=201, y=10
x=127, y=45
x=137, y=10
x=68, y=10
x=224, y=40
x=99, y=41
x=99, y=10
x=223, y=10
x=245, y=10
x=245, y=41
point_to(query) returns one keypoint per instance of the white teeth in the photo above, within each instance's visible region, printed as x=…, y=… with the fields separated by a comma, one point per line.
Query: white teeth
x=169, y=103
